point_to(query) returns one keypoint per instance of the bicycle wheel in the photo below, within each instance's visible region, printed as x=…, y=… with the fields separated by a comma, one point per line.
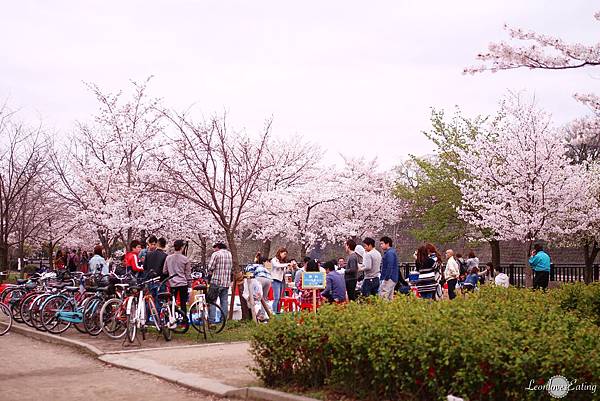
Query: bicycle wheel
x=50, y=314
x=113, y=319
x=196, y=317
x=91, y=316
x=14, y=303
x=25, y=308
x=182, y=321
x=35, y=311
x=131, y=321
x=215, y=327
x=164, y=316
x=5, y=319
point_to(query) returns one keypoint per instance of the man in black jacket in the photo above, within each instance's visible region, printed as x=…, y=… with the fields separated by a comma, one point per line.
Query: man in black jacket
x=155, y=260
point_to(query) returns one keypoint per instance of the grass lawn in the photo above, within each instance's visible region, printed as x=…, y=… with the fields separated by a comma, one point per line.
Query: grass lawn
x=235, y=330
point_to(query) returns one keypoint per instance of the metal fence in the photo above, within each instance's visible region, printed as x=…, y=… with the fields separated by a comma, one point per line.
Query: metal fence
x=566, y=273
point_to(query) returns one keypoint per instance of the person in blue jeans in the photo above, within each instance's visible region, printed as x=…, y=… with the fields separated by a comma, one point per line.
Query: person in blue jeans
x=219, y=268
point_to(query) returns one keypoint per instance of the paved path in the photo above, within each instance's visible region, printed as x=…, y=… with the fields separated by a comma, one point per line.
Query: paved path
x=35, y=370
x=226, y=363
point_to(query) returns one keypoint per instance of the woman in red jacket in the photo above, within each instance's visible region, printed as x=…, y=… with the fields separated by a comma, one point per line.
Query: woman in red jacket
x=130, y=261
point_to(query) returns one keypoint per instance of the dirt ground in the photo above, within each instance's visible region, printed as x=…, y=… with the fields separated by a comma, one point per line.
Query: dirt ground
x=32, y=370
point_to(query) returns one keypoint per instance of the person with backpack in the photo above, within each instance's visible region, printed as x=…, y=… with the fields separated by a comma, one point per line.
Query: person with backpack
x=472, y=261
x=462, y=264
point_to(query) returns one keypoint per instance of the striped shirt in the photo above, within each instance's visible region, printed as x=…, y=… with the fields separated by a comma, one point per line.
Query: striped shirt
x=220, y=266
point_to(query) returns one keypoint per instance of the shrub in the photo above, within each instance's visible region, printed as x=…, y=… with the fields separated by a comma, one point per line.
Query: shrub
x=485, y=347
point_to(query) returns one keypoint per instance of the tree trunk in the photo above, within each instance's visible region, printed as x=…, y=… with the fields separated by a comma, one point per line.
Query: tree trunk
x=235, y=269
x=203, y=249
x=265, y=248
x=20, y=254
x=528, y=271
x=495, y=247
x=303, y=251
x=4, y=266
x=590, y=251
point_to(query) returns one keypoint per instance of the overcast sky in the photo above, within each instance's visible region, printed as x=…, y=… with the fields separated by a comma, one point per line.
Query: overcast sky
x=359, y=77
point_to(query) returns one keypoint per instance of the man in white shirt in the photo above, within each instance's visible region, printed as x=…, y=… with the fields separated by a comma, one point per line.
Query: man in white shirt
x=451, y=273
x=370, y=266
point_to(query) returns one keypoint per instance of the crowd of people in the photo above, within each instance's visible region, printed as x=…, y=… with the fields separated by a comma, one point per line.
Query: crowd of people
x=363, y=271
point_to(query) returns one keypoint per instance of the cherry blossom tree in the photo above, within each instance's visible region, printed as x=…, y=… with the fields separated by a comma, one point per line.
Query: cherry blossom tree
x=334, y=205
x=23, y=163
x=368, y=203
x=521, y=183
x=102, y=170
x=292, y=163
x=538, y=51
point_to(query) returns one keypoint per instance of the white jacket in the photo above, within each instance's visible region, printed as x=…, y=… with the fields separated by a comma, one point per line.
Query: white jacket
x=278, y=269
x=452, y=269
x=502, y=280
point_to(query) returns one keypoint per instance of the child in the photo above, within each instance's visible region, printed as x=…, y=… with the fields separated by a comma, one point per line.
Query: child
x=472, y=279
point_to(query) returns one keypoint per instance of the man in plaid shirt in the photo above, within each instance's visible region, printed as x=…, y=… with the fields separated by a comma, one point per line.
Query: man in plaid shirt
x=219, y=267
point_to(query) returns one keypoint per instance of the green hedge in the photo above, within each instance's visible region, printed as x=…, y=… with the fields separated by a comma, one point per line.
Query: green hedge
x=485, y=347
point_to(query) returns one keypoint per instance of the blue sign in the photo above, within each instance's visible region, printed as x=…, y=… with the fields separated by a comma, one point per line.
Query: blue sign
x=313, y=280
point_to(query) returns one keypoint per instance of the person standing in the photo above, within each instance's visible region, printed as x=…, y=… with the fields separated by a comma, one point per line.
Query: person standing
x=59, y=260
x=279, y=266
x=219, y=267
x=351, y=272
x=151, y=246
x=131, y=261
x=155, y=258
x=178, y=267
x=451, y=273
x=371, y=266
x=540, y=263
x=84, y=262
x=72, y=261
x=389, y=269
x=97, y=264
x=472, y=261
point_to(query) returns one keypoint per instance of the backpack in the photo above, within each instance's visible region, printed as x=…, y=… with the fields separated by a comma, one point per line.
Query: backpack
x=462, y=266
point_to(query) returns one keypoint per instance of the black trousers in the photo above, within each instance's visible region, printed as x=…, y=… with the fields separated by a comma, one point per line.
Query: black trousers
x=183, y=297
x=452, y=288
x=351, y=289
x=540, y=280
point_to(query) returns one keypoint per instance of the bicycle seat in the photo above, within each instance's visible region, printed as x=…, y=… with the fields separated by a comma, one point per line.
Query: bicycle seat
x=122, y=285
x=22, y=281
x=102, y=289
x=200, y=288
x=71, y=289
x=164, y=295
x=30, y=286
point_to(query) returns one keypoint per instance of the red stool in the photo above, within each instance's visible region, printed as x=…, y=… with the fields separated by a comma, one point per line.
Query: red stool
x=287, y=302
